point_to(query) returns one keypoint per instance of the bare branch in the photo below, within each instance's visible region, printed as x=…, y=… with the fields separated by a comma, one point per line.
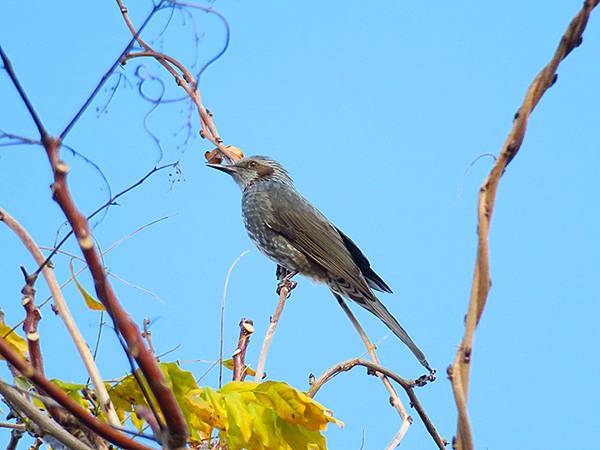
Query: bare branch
x=262, y=359
x=459, y=372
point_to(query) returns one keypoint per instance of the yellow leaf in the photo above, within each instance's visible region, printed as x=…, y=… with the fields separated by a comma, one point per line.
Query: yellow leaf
x=16, y=342
x=228, y=364
x=90, y=301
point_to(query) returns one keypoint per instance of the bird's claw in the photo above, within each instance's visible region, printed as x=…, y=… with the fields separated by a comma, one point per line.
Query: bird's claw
x=424, y=379
x=288, y=284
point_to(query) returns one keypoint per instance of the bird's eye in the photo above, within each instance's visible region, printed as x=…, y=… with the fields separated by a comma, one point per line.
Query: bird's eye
x=252, y=164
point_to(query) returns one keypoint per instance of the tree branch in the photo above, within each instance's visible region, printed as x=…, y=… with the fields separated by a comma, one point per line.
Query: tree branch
x=177, y=427
x=65, y=314
x=460, y=370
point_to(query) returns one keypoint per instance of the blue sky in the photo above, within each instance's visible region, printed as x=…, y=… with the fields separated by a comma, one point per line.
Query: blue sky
x=377, y=113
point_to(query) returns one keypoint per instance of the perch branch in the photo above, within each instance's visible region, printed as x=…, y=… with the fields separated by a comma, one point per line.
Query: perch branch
x=262, y=359
x=460, y=370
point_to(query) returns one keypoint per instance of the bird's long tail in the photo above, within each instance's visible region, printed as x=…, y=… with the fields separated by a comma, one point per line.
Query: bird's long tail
x=375, y=307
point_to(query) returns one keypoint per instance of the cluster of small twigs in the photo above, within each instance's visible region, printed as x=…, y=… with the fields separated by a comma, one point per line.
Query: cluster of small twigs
x=459, y=371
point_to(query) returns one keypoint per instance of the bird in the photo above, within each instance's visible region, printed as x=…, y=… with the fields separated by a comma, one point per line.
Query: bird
x=289, y=230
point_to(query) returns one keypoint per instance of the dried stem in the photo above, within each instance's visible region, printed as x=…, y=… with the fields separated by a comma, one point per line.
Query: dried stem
x=374, y=368
x=460, y=370
x=394, y=399
x=65, y=315
x=239, y=355
x=176, y=435
x=262, y=359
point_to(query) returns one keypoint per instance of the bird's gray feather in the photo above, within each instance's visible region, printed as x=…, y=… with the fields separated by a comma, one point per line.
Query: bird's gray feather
x=311, y=233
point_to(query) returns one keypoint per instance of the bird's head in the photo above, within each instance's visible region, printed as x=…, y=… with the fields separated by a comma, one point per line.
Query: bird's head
x=252, y=169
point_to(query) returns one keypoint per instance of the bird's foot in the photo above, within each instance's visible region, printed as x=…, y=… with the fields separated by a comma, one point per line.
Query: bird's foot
x=286, y=282
x=424, y=379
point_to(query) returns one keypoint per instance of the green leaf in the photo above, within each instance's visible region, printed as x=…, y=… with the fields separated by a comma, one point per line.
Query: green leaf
x=90, y=301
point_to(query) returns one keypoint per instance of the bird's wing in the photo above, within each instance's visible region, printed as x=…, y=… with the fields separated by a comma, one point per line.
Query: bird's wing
x=311, y=233
x=373, y=280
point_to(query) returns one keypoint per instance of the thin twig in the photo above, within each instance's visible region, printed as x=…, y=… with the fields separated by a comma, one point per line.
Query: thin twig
x=110, y=202
x=108, y=74
x=222, y=337
x=460, y=370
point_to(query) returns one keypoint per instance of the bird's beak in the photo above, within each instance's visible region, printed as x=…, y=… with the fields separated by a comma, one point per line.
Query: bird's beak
x=227, y=169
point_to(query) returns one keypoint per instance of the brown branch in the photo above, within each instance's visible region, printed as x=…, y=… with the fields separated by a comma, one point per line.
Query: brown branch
x=15, y=437
x=177, y=427
x=239, y=355
x=460, y=370
x=32, y=318
x=60, y=397
x=374, y=368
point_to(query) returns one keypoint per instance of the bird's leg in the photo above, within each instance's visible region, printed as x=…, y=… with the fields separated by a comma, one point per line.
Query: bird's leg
x=280, y=272
x=285, y=279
